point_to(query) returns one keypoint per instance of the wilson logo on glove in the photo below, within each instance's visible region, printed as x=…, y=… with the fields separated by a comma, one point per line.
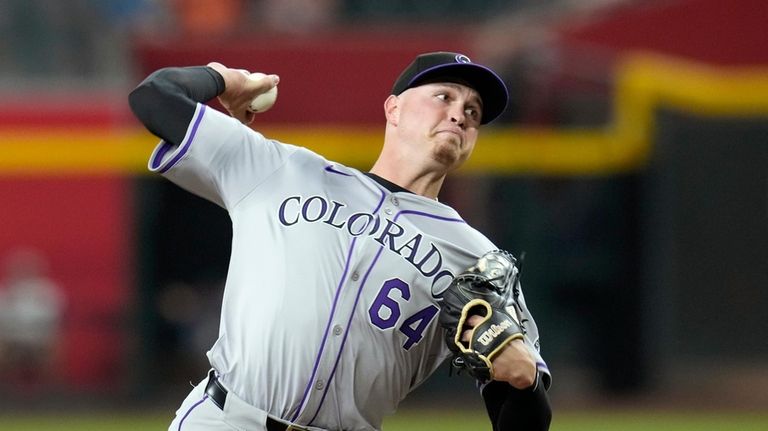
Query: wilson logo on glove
x=494, y=331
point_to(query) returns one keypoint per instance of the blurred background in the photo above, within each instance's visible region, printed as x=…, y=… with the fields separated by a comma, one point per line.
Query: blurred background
x=631, y=168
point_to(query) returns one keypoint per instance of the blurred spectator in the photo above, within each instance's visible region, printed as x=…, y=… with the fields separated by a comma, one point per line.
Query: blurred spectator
x=299, y=16
x=528, y=24
x=31, y=309
x=424, y=11
x=226, y=18
x=547, y=85
x=73, y=40
x=208, y=17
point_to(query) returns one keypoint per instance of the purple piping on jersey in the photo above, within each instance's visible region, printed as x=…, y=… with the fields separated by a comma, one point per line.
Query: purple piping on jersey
x=357, y=299
x=327, y=327
x=428, y=215
x=157, y=158
x=184, y=147
x=333, y=170
x=330, y=320
x=346, y=333
x=181, y=422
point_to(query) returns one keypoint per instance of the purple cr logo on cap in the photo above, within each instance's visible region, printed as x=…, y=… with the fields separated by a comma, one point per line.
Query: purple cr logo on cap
x=461, y=58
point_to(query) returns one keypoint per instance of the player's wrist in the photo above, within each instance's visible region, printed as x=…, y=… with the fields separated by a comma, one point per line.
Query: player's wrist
x=516, y=366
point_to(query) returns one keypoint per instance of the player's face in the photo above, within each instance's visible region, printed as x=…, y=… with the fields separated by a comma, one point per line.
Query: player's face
x=439, y=123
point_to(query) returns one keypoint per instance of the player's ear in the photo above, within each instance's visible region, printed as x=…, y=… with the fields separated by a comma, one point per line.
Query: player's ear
x=392, y=109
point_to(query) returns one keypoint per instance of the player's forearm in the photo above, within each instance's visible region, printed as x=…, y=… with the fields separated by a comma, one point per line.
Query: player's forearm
x=516, y=409
x=166, y=100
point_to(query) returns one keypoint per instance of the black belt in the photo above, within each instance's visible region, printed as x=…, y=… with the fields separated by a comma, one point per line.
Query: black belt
x=218, y=394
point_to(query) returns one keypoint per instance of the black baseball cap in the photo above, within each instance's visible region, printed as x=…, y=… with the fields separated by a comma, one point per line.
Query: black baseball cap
x=455, y=67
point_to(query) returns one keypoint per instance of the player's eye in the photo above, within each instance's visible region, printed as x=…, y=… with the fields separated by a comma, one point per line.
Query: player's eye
x=442, y=96
x=472, y=112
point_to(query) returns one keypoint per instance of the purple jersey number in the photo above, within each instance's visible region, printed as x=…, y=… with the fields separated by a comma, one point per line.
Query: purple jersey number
x=385, y=312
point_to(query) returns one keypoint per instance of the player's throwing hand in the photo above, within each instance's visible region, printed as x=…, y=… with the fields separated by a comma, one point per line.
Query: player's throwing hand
x=239, y=90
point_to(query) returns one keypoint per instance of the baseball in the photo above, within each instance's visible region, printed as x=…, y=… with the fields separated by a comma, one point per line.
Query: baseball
x=264, y=101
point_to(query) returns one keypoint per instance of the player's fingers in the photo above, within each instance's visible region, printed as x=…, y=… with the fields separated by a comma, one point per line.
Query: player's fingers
x=470, y=323
x=473, y=320
x=263, y=83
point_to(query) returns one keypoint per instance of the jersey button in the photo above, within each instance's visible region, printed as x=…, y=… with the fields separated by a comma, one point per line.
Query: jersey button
x=395, y=201
x=388, y=210
x=355, y=276
x=319, y=384
x=337, y=330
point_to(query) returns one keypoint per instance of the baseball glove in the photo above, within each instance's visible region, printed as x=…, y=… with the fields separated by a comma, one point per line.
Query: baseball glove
x=489, y=289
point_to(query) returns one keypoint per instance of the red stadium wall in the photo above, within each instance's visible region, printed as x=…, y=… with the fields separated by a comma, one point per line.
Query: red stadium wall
x=726, y=33
x=81, y=227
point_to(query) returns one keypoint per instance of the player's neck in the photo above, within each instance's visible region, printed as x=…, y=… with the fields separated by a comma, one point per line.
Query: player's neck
x=425, y=184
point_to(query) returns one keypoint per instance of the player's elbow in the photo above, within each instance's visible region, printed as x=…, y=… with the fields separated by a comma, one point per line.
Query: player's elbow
x=143, y=99
x=137, y=99
x=154, y=90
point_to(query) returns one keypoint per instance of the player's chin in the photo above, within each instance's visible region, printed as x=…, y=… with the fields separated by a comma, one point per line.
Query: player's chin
x=450, y=156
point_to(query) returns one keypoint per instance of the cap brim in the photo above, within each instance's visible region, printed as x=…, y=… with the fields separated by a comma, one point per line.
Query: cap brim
x=485, y=81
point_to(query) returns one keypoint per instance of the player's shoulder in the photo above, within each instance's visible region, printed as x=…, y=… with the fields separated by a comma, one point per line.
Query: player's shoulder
x=330, y=170
x=474, y=241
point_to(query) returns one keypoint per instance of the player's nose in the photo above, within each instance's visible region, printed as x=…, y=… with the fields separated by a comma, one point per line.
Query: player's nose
x=458, y=116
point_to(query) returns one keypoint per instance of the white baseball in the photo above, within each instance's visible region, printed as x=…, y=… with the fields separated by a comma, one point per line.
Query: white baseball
x=263, y=101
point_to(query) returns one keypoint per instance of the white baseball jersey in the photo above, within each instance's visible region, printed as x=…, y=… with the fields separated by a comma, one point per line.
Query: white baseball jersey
x=329, y=315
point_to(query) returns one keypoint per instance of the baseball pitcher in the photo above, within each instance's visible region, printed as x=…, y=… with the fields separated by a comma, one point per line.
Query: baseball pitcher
x=347, y=289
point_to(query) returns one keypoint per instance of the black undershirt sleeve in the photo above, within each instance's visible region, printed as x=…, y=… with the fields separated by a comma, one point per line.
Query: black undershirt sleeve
x=516, y=409
x=165, y=101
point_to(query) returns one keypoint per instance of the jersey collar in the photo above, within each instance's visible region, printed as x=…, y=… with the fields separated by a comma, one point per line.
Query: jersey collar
x=389, y=185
